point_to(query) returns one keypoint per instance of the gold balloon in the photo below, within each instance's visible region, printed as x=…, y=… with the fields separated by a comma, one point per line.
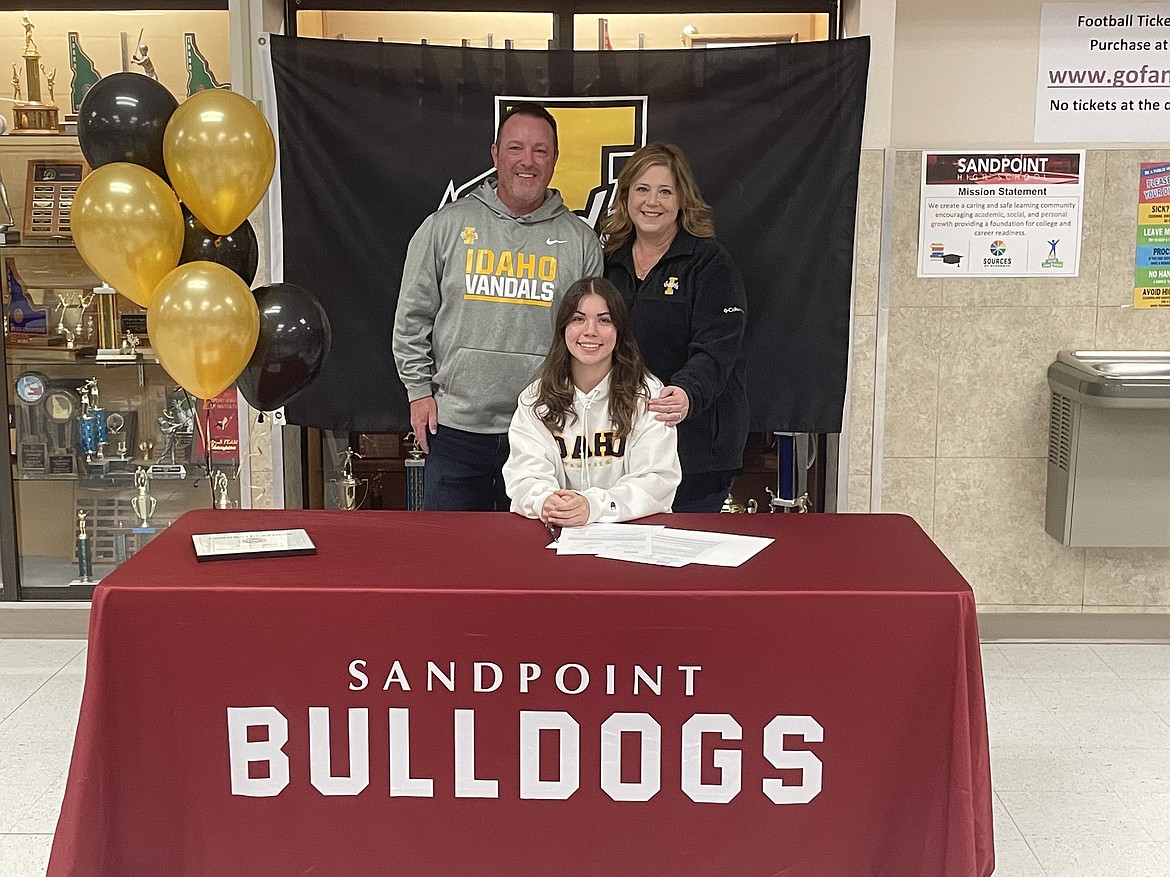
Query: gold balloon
x=203, y=325
x=220, y=154
x=128, y=227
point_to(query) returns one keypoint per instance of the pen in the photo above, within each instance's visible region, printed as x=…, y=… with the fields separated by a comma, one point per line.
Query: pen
x=551, y=532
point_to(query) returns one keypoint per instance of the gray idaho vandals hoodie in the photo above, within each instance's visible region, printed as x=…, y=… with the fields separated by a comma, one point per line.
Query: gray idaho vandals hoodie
x=480, y=290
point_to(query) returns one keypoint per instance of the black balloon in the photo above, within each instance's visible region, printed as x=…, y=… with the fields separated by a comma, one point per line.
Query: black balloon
x=123, y=118
x=237, y=251
x=294, y=341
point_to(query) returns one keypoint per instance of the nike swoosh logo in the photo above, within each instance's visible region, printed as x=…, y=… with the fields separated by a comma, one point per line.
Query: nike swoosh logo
x=549, y=242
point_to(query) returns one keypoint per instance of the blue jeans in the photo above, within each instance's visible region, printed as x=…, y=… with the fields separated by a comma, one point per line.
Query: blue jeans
x=464, y=473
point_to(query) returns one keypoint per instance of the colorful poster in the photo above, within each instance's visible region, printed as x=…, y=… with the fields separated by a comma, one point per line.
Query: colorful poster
x=1103, y=72
x=1151, y=282
x=1009, y=214
x=220, y=419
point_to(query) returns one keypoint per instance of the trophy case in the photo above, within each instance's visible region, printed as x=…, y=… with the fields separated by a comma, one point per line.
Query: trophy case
x=106, y=451
x=105, y=455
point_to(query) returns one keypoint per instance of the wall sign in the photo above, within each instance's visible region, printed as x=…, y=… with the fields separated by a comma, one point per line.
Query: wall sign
x=1011, y=214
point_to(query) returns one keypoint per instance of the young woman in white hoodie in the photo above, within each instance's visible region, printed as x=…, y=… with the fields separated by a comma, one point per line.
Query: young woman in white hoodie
x=584, y=445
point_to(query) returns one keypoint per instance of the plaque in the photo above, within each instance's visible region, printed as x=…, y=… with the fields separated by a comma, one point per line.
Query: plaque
x=33, y=456
x=24, y=316
x=252, y=543
x=135, y=324
x=168, y=471
x=62, y=464
x=49, y=196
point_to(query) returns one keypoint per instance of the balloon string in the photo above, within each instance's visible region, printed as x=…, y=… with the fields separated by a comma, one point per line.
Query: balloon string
x=207, y=452
x=205, y=435
x=255, y=450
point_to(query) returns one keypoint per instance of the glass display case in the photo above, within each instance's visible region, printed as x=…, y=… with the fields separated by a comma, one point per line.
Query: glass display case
x=103, y=443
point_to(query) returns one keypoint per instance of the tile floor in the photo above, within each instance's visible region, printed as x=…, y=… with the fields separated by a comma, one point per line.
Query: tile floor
x=1080, y=755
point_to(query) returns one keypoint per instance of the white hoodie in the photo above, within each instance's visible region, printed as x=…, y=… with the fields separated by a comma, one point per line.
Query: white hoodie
x=622, y=479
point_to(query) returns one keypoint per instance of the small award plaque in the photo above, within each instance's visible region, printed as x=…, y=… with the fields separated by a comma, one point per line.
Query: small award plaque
x=33, y=456
x=62, y=464
x=24, y=316
x=168, y=471
x=49, y=196
x=252, y=543
x=134, y=324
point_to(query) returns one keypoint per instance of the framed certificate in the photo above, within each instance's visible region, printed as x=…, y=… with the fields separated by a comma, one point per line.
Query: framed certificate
x=252, y=543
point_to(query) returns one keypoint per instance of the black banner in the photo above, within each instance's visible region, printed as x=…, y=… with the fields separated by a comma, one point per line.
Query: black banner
x=373, y=137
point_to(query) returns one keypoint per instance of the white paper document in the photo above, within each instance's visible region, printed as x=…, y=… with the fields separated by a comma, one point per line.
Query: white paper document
x=595, y=538
x=252, y=543
x=663, y=546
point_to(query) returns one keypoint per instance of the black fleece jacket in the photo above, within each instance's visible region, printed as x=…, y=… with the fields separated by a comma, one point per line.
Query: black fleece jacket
x=689, y=316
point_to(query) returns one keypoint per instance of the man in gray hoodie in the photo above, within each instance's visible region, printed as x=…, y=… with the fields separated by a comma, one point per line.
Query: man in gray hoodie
x=480, y=288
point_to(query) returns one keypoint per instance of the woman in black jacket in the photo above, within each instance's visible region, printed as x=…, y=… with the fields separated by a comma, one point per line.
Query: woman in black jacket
x=688, y=310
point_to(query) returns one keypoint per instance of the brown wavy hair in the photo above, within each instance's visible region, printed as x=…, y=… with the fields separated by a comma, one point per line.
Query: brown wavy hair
x=627, y=376
x=694, y=214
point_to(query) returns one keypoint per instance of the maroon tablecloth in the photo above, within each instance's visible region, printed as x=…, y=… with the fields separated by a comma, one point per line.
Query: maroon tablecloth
x=817, y=711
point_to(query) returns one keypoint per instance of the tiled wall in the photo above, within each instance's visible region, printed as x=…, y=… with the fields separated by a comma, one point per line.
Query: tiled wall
x=962, y=429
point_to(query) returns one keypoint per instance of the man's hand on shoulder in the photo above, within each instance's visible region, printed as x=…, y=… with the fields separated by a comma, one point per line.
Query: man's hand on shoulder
x=424, y=420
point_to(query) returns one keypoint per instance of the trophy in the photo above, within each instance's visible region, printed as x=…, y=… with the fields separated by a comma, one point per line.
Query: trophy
x=219, y=490
x=71, y=323
x=87, y=429
x=99, y=416
x=116, y=423
x=92, y=428
x=177, y=424
x=33, y=116
x=732, y=506
x=347, y=484
x=84, y=557
x=801, y=504
x=143, y=503
x=414, y=474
